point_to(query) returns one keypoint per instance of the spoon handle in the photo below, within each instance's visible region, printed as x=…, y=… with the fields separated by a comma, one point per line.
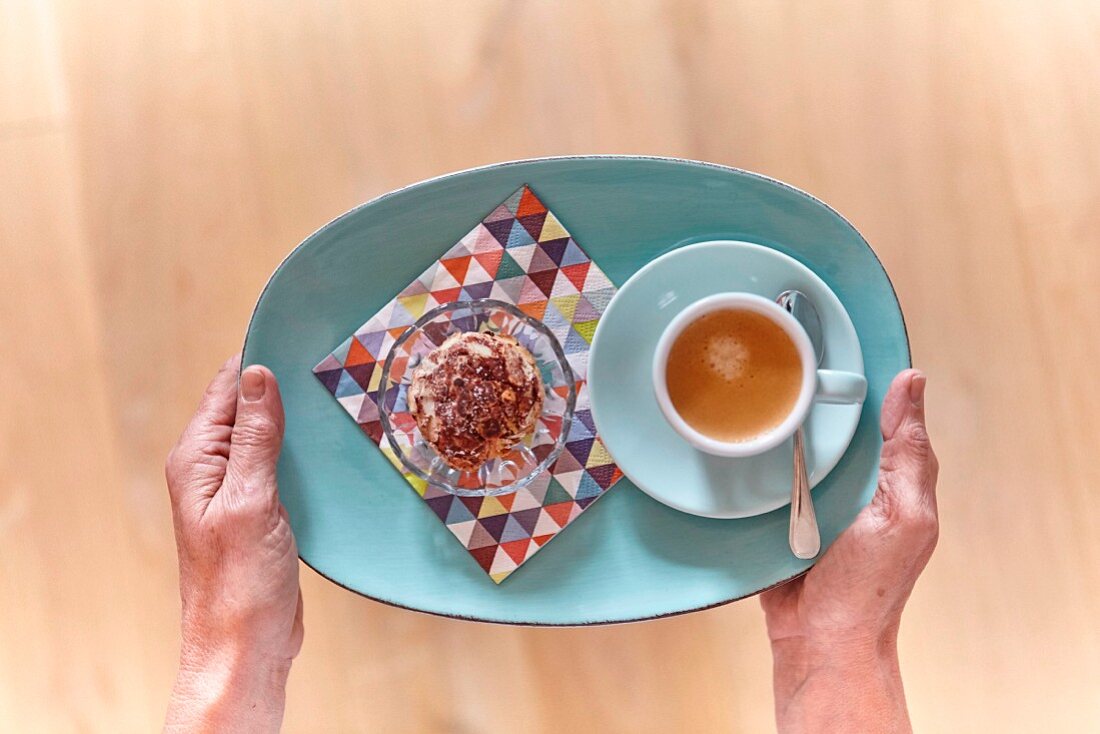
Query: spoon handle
x=804, y=536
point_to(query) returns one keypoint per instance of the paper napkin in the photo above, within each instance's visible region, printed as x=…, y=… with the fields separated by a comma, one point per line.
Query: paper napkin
x=523, y=255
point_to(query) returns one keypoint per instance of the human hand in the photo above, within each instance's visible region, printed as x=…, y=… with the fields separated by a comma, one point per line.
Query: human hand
x=238, y=563
x=834, y=630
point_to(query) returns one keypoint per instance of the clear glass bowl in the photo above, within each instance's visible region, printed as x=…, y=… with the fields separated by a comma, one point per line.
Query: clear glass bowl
x=537, y=452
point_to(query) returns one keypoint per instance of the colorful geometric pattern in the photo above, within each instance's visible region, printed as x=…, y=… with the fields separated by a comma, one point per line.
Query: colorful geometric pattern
x=520, y=254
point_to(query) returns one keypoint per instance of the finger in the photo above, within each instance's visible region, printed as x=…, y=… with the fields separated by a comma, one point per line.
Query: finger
x=196, y=464
x=908, y=465
x=257, y=435
x=904, y=398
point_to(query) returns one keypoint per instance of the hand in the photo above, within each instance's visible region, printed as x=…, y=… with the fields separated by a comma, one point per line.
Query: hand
x=834, y=630
x=238, y=563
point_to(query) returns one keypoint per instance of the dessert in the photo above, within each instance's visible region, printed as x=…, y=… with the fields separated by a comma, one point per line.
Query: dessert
x=476, y=396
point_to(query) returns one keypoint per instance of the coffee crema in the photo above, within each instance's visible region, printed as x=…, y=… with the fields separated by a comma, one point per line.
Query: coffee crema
x=733, y=375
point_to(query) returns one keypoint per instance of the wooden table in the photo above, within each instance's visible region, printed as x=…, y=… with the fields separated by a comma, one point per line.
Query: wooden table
x=157, y=160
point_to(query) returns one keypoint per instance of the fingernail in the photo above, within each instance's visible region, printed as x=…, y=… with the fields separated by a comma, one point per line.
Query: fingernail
x=253, y=385
x=916, y=388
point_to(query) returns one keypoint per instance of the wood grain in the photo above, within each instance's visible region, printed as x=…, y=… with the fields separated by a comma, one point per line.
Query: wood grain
x=157, y=160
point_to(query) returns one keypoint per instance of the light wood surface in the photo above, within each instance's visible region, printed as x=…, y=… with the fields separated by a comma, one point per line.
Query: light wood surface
x=157, y=160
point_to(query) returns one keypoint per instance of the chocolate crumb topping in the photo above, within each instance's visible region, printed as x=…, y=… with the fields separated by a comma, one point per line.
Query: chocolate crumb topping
x=475, y=397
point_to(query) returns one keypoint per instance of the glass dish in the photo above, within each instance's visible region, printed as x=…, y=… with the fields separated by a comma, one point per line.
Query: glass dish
x=525, y=461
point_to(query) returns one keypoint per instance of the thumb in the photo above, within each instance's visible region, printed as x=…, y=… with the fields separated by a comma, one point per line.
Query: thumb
x=257, y=433
x=903, y=407
x=909, y=468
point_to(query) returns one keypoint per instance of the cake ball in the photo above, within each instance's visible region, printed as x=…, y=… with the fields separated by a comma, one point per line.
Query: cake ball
x=476, y=396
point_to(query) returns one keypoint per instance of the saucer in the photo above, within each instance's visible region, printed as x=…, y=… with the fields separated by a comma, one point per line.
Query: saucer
x=628, y=557
x=656, y=458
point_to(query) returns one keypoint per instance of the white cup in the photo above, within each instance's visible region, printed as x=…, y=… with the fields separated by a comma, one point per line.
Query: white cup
x=826, y=386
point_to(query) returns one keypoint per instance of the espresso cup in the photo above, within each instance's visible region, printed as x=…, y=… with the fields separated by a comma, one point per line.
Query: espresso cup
x=826, y=386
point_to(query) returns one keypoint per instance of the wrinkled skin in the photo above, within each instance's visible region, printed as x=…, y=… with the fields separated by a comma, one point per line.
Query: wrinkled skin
x=841, y=619
x=238, y=562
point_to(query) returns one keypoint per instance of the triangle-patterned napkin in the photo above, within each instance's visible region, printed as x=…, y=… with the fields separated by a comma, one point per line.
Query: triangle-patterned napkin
x=520, y=254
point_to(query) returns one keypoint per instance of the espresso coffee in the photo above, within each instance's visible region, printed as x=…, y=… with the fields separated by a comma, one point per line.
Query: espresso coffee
x=733, y=375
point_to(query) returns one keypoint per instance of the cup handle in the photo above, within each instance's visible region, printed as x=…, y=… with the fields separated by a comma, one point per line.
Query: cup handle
x=840, y=387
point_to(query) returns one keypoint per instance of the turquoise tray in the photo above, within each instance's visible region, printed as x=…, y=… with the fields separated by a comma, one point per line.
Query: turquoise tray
x=628, y=558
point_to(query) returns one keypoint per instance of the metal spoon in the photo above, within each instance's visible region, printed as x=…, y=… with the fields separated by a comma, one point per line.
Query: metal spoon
x=804, y=537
